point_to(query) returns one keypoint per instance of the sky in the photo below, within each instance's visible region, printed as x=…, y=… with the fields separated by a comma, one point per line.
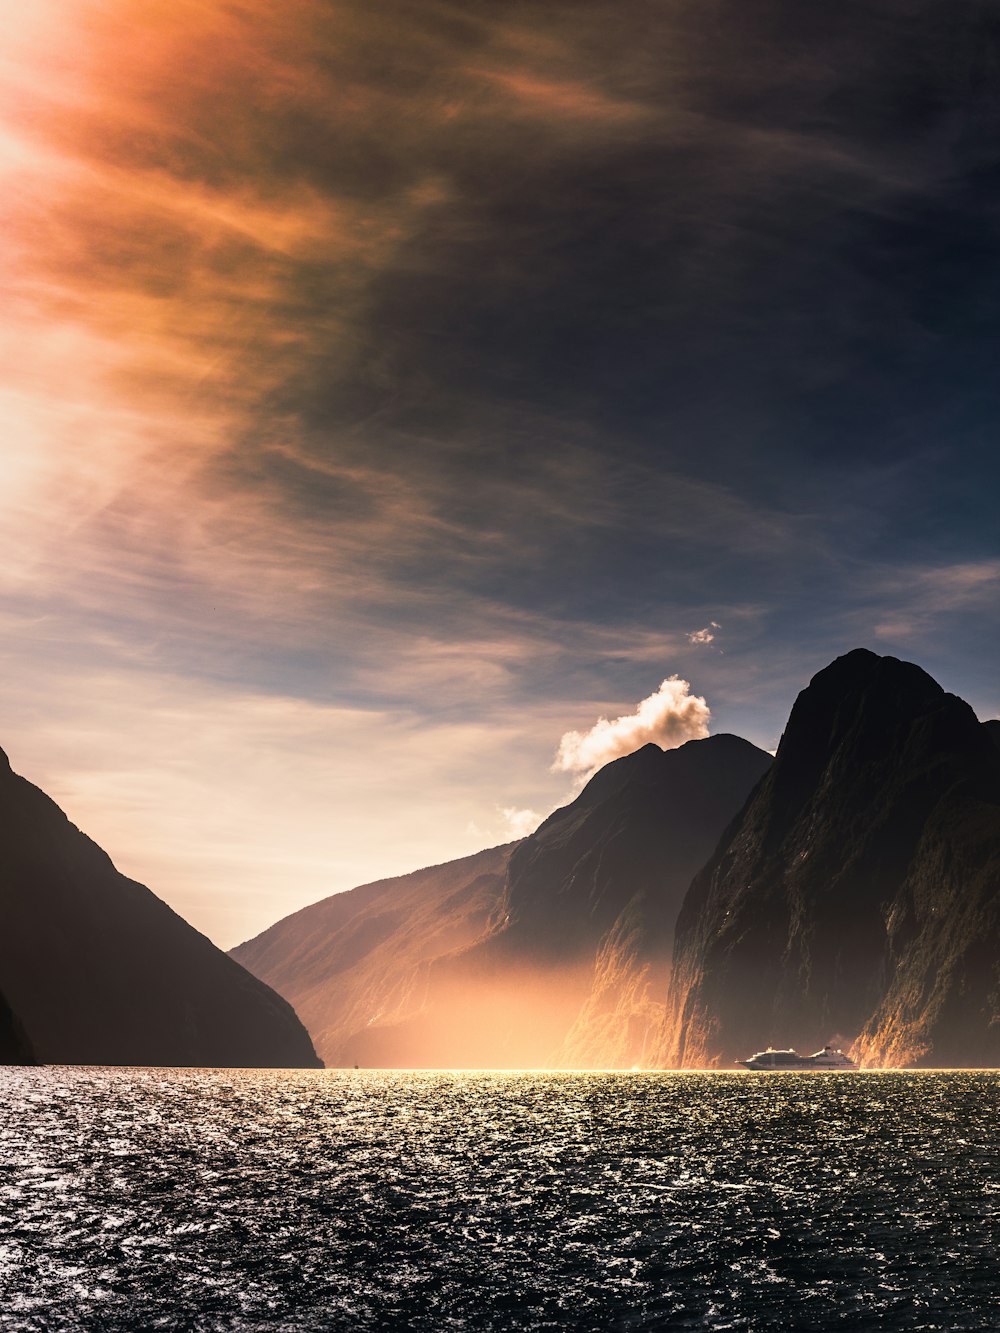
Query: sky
x=390, y=394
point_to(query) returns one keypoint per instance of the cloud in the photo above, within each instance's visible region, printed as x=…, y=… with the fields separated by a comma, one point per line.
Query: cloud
x=947, y=587
x=549, y=98
x=705, y=635
x=668, y=718
x=224, y=226
x=912, y=601
x=520, y=823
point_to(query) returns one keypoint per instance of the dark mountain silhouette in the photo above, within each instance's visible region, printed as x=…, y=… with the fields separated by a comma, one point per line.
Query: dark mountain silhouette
x=355, y=965
x=15, y=1045
x=489, y=961
x=857, y=896
x=640, y=825
x=99, y=971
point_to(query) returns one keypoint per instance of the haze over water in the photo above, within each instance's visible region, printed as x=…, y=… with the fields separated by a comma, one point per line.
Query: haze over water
x=334, y=1200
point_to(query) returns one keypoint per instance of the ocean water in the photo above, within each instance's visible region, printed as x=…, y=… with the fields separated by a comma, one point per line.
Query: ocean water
x=199, y=1199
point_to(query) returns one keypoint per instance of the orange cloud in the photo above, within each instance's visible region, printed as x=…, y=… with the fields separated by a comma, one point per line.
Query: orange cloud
x=156, y=298
x=560, y=97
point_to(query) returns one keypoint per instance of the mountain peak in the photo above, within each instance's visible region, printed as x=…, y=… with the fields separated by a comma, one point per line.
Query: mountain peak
x=855, y=712
x=862, y=667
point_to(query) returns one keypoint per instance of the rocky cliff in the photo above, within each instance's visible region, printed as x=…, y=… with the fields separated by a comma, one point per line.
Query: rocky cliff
x=490, y=961
x=857, y=897
x=99, y=971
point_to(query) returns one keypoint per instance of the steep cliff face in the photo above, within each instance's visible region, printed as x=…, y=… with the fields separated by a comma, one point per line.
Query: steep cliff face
x=856, y=898
x=603, y=880
x=355, y=965
x=99, y=971
x=488, y=961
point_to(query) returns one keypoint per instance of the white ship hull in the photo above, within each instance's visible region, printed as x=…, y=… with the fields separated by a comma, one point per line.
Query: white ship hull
x=827, y=1058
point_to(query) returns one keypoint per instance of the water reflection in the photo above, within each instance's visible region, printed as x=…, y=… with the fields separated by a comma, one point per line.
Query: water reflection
x=326, y=1200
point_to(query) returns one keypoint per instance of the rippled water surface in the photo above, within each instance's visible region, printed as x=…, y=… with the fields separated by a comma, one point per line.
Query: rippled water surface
x=194, y=1199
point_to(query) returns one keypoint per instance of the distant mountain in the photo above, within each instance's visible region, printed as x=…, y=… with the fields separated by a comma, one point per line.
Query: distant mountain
x=857, y=897
x=96, y=970
x=552, y=949
x=355, y=965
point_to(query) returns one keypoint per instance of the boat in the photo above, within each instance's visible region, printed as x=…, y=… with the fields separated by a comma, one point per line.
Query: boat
x=827, y=1058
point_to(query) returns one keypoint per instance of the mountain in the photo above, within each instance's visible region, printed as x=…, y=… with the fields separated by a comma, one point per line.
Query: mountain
x=857, y=897
x=555, y=948
x=355, y=965
x=99, y=971
x=592, y=896
x=15, y=1048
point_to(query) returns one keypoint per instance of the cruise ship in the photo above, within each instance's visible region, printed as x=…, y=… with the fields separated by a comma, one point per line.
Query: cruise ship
x=827, y=1058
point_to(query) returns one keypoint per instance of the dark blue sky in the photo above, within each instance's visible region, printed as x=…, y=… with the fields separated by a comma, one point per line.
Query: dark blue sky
x=704, y=321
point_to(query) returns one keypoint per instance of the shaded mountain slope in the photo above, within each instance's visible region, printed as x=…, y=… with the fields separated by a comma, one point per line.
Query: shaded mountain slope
x=100, y=971
x=15, y=1045
x=644, y=824
x=355, y=965
x=625, y=857
x=857, y=897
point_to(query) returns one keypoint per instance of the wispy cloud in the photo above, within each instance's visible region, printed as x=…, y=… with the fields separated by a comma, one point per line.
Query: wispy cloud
x=189, y=275
x=910, y=602
x=550, y=98
x=519, y=823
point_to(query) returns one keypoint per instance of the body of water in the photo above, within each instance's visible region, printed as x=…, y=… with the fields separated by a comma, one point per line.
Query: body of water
x=200, y=1199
